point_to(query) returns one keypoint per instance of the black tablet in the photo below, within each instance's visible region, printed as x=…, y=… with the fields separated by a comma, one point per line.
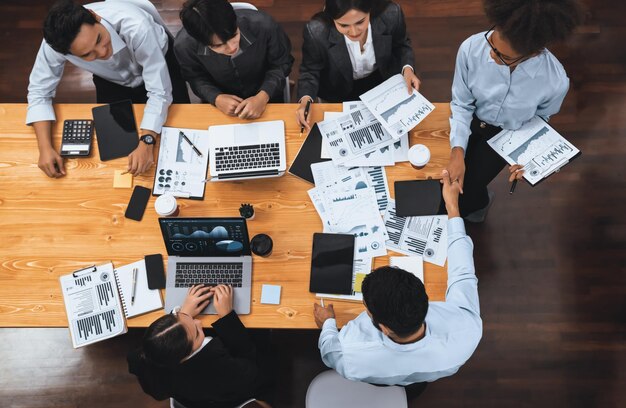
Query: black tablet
x=331, y=263
x=116, y=131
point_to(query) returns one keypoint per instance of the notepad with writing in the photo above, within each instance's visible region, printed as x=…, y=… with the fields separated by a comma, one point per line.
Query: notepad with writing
x=146, y=300
x=413, y=264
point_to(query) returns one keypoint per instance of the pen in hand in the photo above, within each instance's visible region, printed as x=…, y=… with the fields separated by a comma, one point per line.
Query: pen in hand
x=513, y=186
x=195, y=149
x=514, y=182
x=306, y=115
x=132, y=298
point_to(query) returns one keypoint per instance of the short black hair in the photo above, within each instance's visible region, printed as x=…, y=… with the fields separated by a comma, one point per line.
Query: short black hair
x=166, y=342
x=395, y=298
x=205, y=18
x=531, y=25
x=335, y=9
x=63, y=23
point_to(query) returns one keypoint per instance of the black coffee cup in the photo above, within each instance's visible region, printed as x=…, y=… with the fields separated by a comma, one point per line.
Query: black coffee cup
x=261, y=245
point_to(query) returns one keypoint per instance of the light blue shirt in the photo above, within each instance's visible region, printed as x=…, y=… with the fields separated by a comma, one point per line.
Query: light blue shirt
x=139, y=47
x=498, y=96
x=361, y=352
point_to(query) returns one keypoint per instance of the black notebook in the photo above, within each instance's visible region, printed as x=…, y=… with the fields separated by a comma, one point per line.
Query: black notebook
x=418, y=197
x=116, y=131
x=332, y=260
x=310, y=152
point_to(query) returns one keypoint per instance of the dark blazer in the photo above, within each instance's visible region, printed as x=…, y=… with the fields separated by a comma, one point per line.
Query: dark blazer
x=223, y=374
x=264, y=63
x=326, y=69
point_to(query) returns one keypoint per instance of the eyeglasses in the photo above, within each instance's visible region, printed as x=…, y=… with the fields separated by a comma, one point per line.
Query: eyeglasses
x=498, y=54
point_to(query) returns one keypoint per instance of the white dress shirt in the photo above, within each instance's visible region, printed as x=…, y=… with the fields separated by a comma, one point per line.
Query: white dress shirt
x=139, y=47
x=498, y=96
x=363, y=63
x=361, y=352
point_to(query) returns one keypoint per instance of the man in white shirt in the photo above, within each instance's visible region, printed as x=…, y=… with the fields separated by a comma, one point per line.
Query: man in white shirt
x=401, y=338
x=129, y=54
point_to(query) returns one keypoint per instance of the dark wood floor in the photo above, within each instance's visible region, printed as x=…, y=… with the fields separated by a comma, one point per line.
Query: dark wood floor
x=551, y=260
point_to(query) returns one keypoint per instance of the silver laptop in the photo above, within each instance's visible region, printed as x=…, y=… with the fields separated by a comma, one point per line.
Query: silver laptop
x=247, y=151
x=210, y=251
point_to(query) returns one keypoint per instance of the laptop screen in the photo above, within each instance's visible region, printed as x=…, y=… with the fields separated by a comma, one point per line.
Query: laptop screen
x=206, y=237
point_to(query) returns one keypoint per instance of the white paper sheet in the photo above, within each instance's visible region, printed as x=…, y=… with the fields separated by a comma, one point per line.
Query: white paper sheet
x=396, y=109
x=536, y=146
x=424, y=236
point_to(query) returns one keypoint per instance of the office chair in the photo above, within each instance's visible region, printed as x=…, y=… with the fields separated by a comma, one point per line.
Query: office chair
x=248, y=404
x=330, y=390
x=149, y=8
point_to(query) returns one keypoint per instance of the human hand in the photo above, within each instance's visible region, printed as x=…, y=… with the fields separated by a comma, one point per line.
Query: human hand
x=516, y=172
x=412, y=81
x=227, y=103
x=456, y=167
x=140, y=159
x=302, y=121
x=252, y=107
x=450, y=192
x=322, y=314
x=198, y=297
x=223, y=299
x=51, y=163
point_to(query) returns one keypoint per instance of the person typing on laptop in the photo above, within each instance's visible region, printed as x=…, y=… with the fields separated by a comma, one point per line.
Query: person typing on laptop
x=177, y=360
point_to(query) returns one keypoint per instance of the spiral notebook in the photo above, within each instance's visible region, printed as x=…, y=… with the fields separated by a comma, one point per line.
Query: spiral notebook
x=146, y=300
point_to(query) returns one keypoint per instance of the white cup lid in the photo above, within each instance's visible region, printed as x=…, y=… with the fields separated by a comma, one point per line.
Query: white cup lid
x=165, y=204
x=419, y=155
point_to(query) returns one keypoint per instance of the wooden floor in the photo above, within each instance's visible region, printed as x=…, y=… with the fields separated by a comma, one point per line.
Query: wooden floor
x=551, y=260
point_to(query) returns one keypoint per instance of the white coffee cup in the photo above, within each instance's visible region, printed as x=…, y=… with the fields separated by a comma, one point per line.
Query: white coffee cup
x=419, y=155
x=166, y=205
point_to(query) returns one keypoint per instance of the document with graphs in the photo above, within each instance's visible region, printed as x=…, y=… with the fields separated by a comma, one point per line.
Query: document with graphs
x=536, y=146
x=92, y=303
x=424, y=236
x=397, y=110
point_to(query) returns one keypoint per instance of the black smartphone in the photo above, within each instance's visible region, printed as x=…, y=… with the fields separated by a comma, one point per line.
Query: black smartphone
x=155, y=271
x=137, y=203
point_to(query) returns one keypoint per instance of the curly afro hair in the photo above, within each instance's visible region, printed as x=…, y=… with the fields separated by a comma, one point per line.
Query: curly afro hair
x=530, y=25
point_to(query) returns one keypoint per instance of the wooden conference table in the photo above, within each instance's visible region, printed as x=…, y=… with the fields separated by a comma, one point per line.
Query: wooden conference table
x=52, y=227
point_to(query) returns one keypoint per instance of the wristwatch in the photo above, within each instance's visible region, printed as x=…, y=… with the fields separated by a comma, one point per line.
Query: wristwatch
x=147, y=139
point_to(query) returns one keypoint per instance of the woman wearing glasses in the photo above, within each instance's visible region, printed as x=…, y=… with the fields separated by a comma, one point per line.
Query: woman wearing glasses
x=503, y=78
x=351, y=47
x=177, y=360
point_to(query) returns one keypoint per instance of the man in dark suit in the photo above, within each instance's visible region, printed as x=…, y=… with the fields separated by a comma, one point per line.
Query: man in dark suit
x=236, y=60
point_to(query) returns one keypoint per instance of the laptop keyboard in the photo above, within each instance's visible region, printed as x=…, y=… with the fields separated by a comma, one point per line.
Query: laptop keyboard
x=211, y=274
x=247, y=157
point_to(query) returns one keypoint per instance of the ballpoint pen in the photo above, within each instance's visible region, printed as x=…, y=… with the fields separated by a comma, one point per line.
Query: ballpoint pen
x=132, y=297
x=195, y=149
x=306, y=115
x=322, y=302
x=513, y=186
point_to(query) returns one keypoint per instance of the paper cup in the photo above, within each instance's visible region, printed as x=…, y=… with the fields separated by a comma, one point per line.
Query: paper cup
x=419, y=155
x=166, y=206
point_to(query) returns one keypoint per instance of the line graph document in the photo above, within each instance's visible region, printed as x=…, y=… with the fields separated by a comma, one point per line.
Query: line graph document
x=396, y=109
x=536, y=146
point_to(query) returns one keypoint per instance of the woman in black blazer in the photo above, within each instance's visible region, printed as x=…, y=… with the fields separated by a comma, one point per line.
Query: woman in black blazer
x=351, y=47
x=176, y=360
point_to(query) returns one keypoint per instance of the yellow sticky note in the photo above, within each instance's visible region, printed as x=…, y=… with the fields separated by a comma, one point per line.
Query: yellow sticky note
x=358, y=281
x=122, y=180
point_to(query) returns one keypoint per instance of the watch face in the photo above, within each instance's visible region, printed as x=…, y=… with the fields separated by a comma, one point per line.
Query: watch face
x=147, y=139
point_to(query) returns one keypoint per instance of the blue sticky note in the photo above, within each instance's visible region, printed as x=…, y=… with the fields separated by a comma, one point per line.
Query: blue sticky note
x=270, y=294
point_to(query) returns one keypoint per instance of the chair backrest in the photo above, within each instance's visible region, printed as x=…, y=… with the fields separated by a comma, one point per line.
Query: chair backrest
x=243, y=6
x=330, y=390
x=149, y=8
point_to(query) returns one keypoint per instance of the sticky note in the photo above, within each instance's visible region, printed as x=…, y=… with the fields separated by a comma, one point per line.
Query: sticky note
x=270, y=294
x=358, y=282
x=122, y=180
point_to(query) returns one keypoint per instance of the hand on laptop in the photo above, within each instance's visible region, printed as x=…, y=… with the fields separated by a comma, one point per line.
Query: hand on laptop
x=223, y=296
x=322, y=314
x=198, y=297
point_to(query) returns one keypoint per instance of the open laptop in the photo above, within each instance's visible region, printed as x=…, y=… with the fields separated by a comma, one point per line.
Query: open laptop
x=247, y=151
x=209, y=251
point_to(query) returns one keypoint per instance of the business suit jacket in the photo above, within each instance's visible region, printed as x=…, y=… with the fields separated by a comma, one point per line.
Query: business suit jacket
x=223, y=374
x=326, y=69
x=264, y=63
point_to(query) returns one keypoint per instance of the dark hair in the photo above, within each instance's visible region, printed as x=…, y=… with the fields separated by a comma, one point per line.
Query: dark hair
x=166, y=342
x=63, y=24
x=530, y=25
x=205, y=18
x=335, y=9
x=395, y=298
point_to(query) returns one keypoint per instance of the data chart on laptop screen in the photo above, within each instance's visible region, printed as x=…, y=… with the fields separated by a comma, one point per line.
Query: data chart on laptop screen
x=205, y=237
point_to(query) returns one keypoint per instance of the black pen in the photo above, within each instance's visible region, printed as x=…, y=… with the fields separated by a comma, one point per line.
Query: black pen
x=513, y=186
x=195, y=149
x=306, y=115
